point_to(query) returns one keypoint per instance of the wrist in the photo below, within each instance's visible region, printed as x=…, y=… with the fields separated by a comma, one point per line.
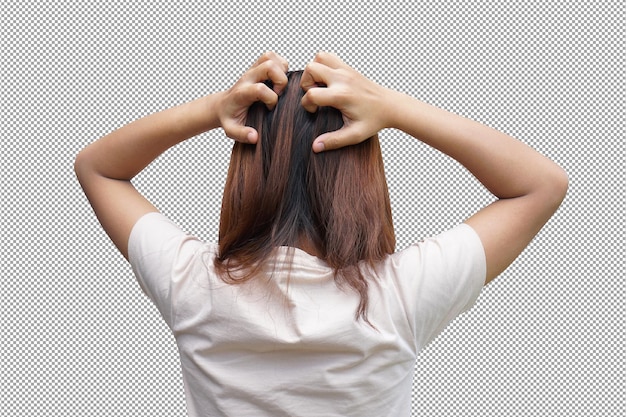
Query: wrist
x=391, y=110
x=203, y=113
x=212, y=106
x=189, y=119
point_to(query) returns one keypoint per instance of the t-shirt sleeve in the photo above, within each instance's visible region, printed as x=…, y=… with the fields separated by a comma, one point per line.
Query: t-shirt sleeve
x=157, y=247
x=438, y=279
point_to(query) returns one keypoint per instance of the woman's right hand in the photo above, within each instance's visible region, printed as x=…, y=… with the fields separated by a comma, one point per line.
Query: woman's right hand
x=233, y=104
x=363, y=103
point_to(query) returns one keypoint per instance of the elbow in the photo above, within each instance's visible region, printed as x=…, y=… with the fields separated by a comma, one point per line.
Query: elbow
x=561, y=183
x=79, y=164
x=82, y=165
x=556, y=187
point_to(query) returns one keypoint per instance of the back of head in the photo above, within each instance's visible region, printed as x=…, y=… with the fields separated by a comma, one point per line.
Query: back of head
x=279, y=193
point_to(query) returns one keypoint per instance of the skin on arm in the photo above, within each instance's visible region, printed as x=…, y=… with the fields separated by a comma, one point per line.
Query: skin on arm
x=105, y=167
x=529, y=186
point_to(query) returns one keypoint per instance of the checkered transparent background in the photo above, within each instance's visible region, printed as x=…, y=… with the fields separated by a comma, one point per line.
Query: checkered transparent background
x=79, y=337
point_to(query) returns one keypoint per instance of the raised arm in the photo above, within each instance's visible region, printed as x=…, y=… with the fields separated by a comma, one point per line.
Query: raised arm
x=529, y=186
x=105, y=167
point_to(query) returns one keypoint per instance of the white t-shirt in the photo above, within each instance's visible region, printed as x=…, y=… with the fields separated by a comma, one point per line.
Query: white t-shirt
x=268, y=349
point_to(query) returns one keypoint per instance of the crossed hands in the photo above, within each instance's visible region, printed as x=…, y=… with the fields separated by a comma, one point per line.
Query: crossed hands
x=360, y=100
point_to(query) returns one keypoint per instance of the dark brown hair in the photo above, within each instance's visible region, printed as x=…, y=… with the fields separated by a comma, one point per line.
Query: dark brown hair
x=278, y=192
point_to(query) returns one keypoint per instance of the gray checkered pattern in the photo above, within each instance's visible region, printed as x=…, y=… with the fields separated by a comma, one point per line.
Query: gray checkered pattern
x=79, y=337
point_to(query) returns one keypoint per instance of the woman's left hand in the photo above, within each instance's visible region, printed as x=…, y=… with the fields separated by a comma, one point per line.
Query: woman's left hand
x=250, y=88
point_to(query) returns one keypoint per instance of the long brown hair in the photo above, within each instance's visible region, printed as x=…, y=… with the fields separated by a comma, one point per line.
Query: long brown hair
x=278, y=192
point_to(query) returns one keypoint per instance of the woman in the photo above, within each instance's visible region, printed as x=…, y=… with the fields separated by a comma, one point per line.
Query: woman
x=303, y=308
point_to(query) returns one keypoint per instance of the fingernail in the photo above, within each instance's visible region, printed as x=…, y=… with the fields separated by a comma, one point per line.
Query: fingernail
x=318, y=146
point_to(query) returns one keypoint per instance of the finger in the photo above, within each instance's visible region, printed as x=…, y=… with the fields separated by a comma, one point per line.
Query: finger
x=250, y=94
x=317, y=97
x=277, y=75
x=336, y=139
x=241, y=133
x=279, y=60
x=315, y=74
x=269, y=70
x=266, y=56
x=283, y=62
x=272, y=56
x=330, y=60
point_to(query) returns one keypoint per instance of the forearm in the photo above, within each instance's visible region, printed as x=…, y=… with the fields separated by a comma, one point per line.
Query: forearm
x=505, y=166
x=123, y=153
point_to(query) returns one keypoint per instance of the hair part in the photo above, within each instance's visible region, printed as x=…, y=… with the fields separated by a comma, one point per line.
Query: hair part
x=278, y=192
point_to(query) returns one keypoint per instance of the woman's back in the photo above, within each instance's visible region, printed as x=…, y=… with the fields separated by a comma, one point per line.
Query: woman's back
x=286, y=343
